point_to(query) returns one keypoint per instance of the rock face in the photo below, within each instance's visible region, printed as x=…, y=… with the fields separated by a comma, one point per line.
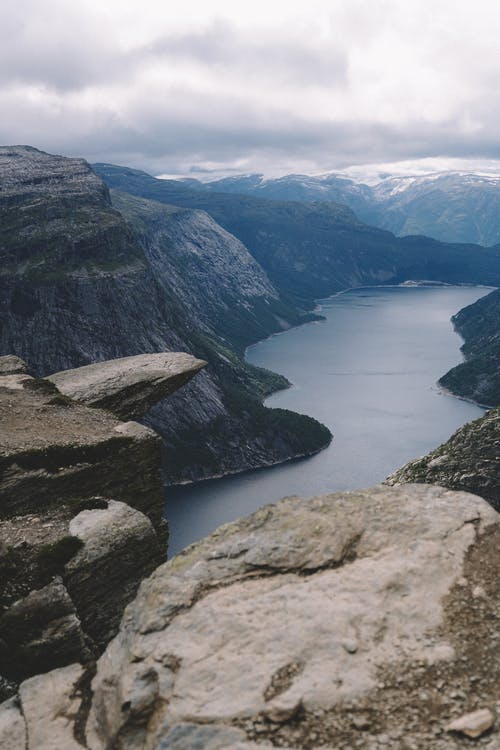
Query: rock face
x=478, y=378
x=50, y=704
x=217, y=424
x=469, y=460
x=82, y=282
x=81, y=509
x=129, y=386
x=340, y=621
x=54, y=451
x=312, y=250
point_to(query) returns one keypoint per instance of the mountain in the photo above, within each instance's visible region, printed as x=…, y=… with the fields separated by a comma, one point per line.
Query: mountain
x=78, y=287
x=298, y=187
x=448, y=206
x=312, y=250
x=478, y=378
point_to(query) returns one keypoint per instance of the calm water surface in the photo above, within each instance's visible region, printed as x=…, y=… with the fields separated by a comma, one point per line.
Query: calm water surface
x=368, y=372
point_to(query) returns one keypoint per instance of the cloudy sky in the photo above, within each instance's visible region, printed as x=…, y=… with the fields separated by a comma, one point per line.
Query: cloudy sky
x=209, y=87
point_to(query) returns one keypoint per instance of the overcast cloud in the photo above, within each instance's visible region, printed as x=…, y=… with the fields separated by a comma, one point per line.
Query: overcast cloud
x=220, y=87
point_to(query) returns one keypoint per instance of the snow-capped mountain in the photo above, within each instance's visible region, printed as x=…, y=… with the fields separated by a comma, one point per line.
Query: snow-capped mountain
x=450, y=206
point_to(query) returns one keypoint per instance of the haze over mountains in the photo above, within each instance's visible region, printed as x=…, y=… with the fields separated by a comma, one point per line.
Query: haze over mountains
x=449, y=206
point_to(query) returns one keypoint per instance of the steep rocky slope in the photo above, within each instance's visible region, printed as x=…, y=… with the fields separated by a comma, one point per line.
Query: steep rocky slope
x=350, y=620
x=225, y=301
x=81, y=508
x=478, y=378
x=469, y=460
x=311, y=250
x=76, y=287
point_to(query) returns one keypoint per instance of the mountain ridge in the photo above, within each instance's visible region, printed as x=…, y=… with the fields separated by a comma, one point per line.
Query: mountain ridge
x=312, y=250
x=452, y=206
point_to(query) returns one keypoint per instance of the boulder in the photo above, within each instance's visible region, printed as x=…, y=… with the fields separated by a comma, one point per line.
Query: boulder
x=339, y=621
x=129, y=386
x=119, y=549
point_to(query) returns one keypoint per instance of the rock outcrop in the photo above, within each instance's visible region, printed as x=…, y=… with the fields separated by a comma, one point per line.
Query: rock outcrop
x=469, y=460
x=81, y=508
x=129, y=386
x=356, y=619
x=82, y=282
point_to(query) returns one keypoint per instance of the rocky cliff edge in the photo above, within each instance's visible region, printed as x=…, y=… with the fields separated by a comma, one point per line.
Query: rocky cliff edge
x=353, y=620
x=81, y=505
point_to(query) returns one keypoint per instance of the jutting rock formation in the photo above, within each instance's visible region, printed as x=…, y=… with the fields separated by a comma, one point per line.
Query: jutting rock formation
x=84, y=280
x=81, y=507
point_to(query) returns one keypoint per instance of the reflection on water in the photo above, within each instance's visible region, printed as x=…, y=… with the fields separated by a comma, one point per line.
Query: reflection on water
x=368, y=372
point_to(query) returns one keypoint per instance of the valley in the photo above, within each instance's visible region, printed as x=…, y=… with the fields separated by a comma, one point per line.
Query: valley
x=369, y=372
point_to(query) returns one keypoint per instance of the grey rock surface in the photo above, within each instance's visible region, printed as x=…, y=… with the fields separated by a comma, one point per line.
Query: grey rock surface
x=12, y=726
x=54, y=451
x=469, y=460
x=50, y=704
x=329, y=622
x=81, y=516
x=128, y=386
x=119, y=549
x=12, y=365
x=195, y=737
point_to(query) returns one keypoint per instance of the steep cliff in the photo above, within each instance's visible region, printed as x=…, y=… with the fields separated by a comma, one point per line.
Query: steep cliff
x=76, y=287
x=81, y=506
x=478, y=378
x=311, y=250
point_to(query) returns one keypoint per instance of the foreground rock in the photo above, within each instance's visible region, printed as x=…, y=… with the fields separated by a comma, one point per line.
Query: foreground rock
x=81, y=506
x=474, y=724
x=469, y=460
x=129, y=386
x=54, y=451
x=350, y=620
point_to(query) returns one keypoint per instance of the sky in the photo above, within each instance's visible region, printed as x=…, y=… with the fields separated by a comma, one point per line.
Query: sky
x=218, y=87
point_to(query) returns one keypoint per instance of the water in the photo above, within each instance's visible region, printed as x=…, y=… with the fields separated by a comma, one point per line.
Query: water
x=369, y=372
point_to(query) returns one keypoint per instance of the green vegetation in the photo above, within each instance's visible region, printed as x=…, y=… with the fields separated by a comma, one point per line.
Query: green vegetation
x=478, y=378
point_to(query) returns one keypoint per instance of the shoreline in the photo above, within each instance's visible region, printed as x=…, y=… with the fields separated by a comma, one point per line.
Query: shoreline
x=317, y=309
x=248, y=469
x=446, y=392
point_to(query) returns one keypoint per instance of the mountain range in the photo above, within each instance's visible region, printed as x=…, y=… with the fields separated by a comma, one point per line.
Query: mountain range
x=448, y=206
x=109, y=261
x=314, y=249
